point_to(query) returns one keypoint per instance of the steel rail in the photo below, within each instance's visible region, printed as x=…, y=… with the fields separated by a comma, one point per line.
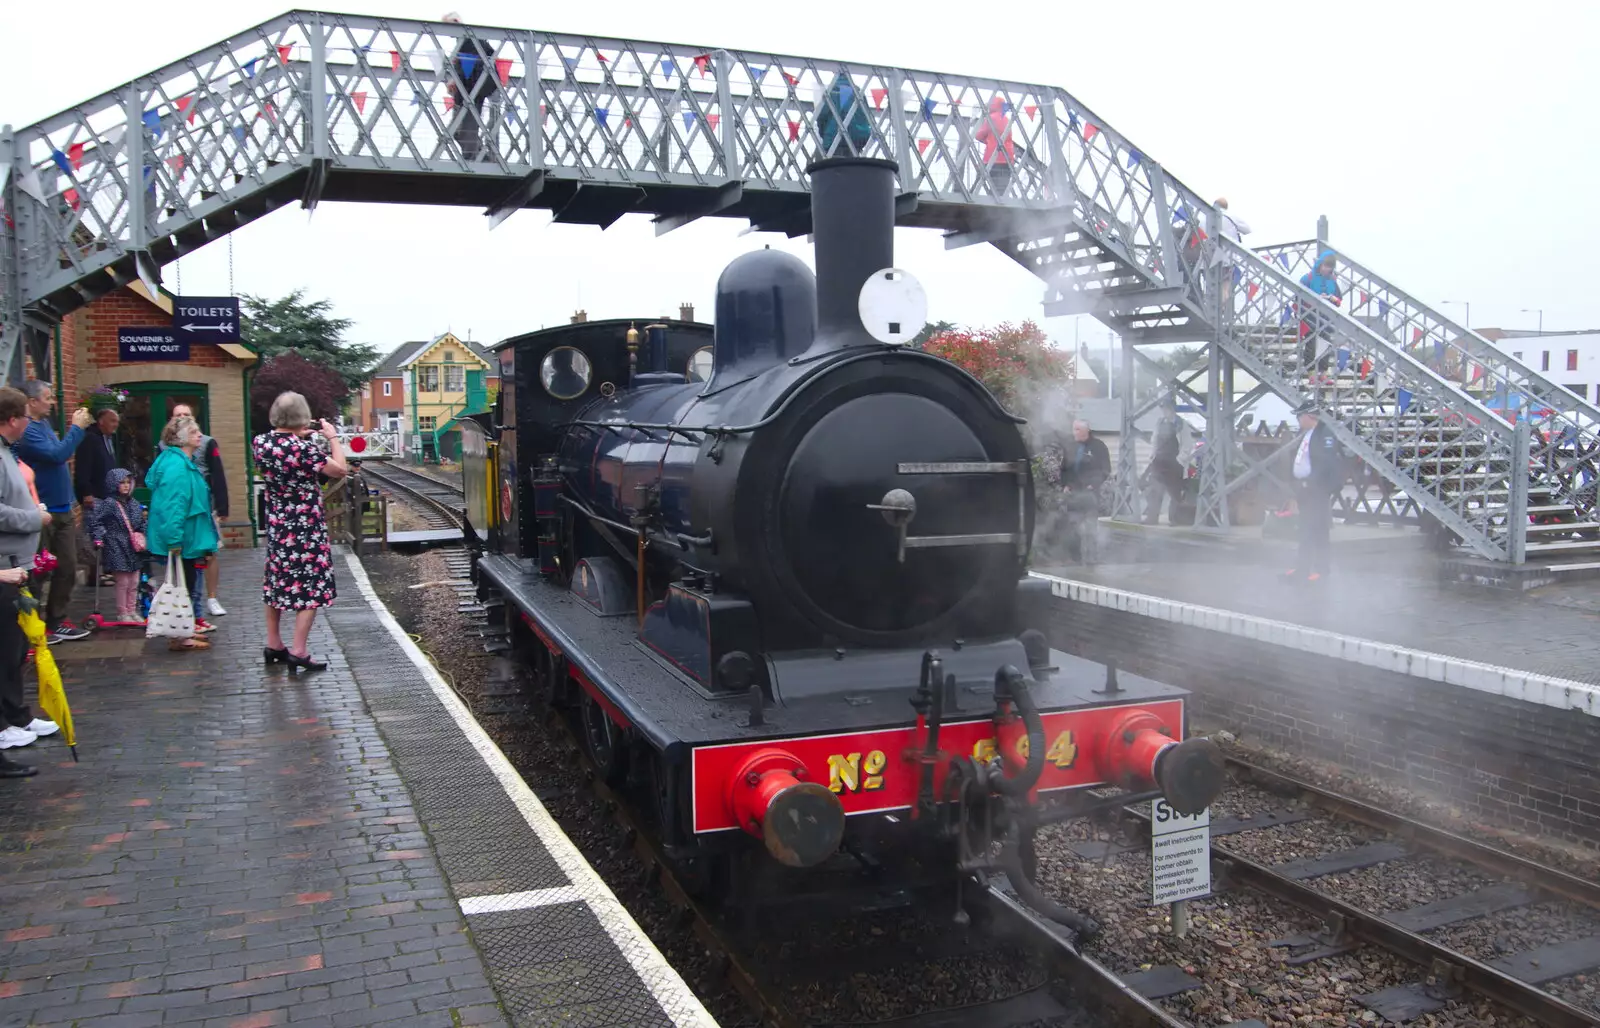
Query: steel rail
x=1089, y=978
x=456, y=515
x=1541, y=876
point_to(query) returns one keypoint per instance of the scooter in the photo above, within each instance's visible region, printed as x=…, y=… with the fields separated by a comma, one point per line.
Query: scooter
x=97, y=621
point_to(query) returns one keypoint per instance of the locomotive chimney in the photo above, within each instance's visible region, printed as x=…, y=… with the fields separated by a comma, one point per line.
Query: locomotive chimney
x=852, y=222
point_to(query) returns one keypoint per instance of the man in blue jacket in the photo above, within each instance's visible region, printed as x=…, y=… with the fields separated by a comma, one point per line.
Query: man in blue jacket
x=47, y=454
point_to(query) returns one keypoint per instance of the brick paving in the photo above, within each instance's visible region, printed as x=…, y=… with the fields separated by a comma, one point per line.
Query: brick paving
x=1549, y=631
x=237, y=848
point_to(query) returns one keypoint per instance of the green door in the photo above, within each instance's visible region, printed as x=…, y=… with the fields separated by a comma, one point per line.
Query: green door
x=146, y=413
x=477, y=392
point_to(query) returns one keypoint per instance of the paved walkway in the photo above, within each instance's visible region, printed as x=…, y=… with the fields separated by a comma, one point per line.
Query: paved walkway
x=1551, y=631
x=239, y=847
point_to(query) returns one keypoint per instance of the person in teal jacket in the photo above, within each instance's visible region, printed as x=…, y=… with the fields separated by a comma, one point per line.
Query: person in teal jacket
x=180, y=513
x=1316, y=327
x=841, y=95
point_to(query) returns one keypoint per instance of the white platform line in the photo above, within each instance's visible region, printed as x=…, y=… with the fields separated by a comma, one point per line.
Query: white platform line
x=665, y=984
x=1546, y=690
x=520, y=900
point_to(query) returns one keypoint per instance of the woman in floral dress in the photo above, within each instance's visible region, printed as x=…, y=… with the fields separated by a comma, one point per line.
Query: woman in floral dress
x=299, y=574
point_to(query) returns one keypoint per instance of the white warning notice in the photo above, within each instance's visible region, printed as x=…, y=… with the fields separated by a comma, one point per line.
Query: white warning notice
x=1180, y=853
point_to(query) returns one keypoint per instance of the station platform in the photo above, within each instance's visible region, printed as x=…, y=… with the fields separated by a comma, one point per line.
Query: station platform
x=242, y=847
x=1485, y=704
x=1551, y=631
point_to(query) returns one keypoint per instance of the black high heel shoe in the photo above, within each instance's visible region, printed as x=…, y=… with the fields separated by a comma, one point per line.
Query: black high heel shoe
x=304, y=662
x=273, y=656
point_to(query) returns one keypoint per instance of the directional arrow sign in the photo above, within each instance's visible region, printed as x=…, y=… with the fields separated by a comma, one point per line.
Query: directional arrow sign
x=206, y=319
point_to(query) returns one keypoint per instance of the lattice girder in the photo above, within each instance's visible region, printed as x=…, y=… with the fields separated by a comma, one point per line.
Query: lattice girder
x=1565, y=427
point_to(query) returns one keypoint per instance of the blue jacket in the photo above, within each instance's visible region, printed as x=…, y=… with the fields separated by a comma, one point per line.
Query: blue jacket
x=47, y=454
x=1315, y=281
x=180, y=507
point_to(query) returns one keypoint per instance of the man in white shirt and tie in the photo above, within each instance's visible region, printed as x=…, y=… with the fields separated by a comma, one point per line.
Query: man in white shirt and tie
x=1318, y=472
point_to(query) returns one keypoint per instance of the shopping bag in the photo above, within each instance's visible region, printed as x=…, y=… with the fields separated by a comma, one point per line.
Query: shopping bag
x=172, y=613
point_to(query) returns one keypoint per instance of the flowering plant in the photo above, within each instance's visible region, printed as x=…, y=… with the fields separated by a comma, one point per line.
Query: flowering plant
x=104, y=398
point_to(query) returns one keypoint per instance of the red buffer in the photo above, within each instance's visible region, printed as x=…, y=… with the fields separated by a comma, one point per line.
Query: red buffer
x=801, y=822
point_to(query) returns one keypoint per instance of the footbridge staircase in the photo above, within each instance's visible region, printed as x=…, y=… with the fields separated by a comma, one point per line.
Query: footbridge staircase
x=313, y=106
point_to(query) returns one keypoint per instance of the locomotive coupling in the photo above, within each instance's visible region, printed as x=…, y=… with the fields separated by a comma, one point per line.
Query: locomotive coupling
x=801, y=823
x=1140, y=750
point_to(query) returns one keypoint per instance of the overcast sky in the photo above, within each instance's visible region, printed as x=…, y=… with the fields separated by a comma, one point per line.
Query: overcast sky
x=1454, y=148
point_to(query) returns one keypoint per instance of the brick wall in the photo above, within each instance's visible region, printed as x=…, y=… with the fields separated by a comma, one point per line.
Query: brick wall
x=1521, y=765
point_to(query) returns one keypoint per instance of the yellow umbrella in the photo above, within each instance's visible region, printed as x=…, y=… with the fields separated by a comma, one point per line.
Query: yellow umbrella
x=52, y=697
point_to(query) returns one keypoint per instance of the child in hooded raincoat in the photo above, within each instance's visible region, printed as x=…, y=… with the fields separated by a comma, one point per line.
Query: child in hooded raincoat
x=112, y=523
x=1316, y=328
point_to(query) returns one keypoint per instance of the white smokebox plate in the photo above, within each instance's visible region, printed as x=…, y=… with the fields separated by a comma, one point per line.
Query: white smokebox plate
x=893, y=306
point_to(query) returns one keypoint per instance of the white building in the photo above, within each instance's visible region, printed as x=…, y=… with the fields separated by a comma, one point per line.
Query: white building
x=1570, y=359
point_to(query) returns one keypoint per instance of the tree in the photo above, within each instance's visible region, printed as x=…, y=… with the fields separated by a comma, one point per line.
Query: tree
x=929, y=330
x=1016, y=362
x=322, y=387
x=307, y=328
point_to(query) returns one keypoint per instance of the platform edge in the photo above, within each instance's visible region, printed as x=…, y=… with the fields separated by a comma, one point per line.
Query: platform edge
x=668, y=988
x=1546, y=690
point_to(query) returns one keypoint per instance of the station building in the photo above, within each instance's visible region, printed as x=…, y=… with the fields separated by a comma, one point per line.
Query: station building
x=421, y=388
x=213, y=379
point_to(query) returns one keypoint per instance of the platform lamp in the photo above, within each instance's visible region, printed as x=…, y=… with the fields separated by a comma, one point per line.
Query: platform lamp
x=1465, y=304
x=1535, y=310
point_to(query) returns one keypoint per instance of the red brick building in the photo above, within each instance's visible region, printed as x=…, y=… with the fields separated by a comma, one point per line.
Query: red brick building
x=214, y=380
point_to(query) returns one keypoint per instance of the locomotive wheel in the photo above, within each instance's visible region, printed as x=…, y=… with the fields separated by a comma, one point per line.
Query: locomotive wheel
x=604, y=743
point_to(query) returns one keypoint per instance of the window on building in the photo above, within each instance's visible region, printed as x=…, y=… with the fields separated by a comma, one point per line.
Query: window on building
x=427, y=423
x=1544, y=361
x=1580, y=390
x=1572, y=360
x=428, y=377
x=388, y=388
x=455, y=379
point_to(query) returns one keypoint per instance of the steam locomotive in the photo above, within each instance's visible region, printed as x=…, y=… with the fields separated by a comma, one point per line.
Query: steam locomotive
x=776, y=571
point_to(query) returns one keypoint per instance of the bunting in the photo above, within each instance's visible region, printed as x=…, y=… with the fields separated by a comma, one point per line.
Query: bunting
x=1251, y=290
x=284, y=52
x=1133, y=158
x=601, y=114
x=75, y=154
x=757, y=72
x=1404, y=397
x=186, y=102
x=668, y=68
x=1416, y=335
x=1031, y=110
x=1363, y=297
x=878, y=96
x=927, y=111
x=250, y=67
x=71, y=196
x=1343, y=358
x=502, y=68
x=794, y=130
x=360, y=100
x=61, y=161
x=702, y=64
x=394, y=60
x=1090, y=130
x=152, y=121
x=469, y=62
x=713, y=120
x=1383, y=308
x=1238, y=275
x=1283, y=259
x=922, y=145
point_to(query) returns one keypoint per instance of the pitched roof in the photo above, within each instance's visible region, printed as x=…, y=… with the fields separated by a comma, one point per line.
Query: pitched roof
x=405, y=353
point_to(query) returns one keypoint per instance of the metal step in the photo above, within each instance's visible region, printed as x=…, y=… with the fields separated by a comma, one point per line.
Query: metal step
x=1565, y=526
x=1569, y=545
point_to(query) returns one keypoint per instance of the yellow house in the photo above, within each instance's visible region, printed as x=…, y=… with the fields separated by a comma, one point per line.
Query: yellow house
x=422, y=388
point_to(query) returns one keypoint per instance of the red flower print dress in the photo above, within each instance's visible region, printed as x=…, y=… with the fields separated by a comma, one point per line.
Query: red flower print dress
x=299, y=573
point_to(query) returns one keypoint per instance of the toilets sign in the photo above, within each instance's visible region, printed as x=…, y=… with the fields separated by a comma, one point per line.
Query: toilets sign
x=149, y=344
x=206, y=319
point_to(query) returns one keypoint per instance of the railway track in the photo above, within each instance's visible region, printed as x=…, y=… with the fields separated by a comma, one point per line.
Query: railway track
x=440, y=504
x=1476, y=922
